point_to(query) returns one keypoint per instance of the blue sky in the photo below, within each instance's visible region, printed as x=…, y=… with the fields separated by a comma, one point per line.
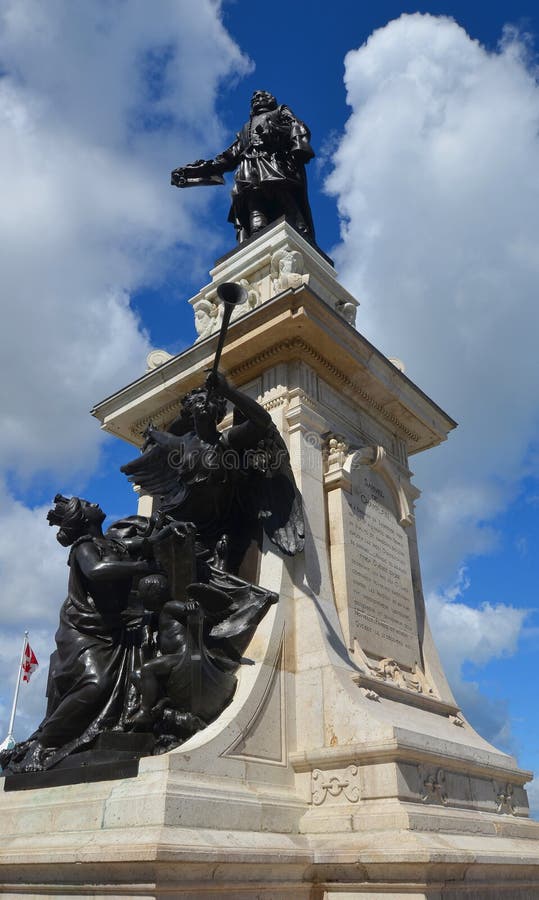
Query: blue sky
x=425, y=191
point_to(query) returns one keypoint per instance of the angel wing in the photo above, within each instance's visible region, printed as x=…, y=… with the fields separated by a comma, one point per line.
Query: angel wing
x=155, y=475
x=266, y=490
x=270, y=494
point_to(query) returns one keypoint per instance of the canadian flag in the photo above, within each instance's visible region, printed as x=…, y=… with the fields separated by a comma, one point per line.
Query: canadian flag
x=29, y=662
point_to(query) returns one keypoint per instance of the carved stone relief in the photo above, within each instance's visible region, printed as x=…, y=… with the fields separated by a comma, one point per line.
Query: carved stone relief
x=347, y=310
x=327, y=785
x=457, y=720
x=287, y=270
x=209, y=312
x=389, y=670
x=369, y=694
x=252, y=301
x=434, y=788
x=504, y=798
x=208, y=316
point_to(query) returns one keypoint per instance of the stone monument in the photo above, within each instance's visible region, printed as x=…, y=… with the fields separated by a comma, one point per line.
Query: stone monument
x=338, y=765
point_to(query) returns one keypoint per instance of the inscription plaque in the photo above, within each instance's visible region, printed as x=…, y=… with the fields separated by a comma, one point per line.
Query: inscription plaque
x=371, y=568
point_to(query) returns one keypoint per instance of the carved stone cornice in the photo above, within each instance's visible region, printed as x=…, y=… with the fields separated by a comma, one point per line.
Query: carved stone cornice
x=161, y=417
x=302, y=414
x=274, y=403
x=296, y=326
x=401, y=750
x=297, y=346
x=262, y=357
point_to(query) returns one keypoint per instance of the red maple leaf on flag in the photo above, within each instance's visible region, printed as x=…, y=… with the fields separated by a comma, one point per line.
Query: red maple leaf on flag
x=29, y=662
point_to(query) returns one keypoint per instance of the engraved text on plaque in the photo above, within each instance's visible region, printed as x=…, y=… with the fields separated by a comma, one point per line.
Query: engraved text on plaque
x=378, y=606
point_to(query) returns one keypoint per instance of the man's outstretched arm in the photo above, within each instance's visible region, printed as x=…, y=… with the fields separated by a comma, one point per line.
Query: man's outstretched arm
x=224, y=162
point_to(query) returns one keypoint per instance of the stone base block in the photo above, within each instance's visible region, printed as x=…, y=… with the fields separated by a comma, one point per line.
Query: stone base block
x=136, y=839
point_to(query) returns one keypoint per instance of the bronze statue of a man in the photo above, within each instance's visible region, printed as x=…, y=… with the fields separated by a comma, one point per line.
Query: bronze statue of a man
x=269, y=156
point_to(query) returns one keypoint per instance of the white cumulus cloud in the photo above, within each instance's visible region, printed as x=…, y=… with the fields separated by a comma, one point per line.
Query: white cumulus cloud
x=464, y=634
x=97, y=103
x=437, y=182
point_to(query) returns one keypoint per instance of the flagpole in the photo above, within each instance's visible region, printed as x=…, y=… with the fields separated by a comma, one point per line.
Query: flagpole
x=17, y=686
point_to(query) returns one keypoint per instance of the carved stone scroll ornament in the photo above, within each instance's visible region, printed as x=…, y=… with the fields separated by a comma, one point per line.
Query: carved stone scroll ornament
x=324, y=785
x=157, y=358
x=376, y=458
x=369, y=694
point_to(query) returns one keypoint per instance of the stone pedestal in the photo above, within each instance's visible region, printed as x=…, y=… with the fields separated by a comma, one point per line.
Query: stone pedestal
x=343, y=767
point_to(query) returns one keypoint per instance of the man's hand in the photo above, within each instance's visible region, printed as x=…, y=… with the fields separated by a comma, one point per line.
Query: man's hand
x=180, y=177
x=177, y=178
x=216, y=383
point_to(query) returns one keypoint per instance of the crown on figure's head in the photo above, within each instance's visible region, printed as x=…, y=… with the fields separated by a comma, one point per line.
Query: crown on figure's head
x=56, y=516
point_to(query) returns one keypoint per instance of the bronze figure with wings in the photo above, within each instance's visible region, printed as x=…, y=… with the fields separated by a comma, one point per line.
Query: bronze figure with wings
x=160, y=612
x=230, y=484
